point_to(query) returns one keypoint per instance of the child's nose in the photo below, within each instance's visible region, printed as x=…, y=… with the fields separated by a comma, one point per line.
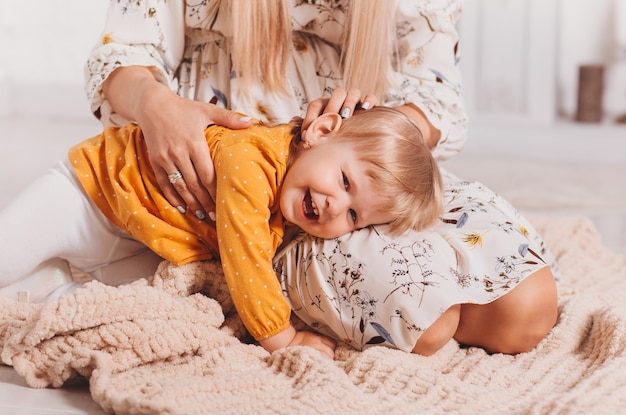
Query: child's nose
x=337, y=205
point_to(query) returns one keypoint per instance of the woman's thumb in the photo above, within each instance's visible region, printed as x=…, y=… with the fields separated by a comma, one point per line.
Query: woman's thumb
x=230, y=119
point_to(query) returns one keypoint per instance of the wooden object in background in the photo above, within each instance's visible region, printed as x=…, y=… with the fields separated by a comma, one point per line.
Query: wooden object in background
x=590, y=91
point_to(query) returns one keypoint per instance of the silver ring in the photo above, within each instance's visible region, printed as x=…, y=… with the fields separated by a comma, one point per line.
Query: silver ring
x=177, y=175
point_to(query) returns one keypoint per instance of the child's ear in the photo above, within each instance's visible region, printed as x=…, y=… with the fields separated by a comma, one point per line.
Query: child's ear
x=320, y=128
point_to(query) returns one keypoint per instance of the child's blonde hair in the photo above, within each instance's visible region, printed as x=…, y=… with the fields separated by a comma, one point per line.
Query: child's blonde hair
x=262, y=41
x=403, y=170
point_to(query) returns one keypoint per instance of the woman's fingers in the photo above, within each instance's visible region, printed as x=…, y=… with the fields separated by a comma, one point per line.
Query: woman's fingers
x=176, y=190
x=179, y=179
x=204, y=185
x=367, y=102
x=337, y=100
x=193, y=191
x=341, y=101
x=166, y=182
x=350, y=102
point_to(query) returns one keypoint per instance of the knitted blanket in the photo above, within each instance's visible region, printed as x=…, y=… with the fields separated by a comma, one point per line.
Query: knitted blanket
x=162, y=347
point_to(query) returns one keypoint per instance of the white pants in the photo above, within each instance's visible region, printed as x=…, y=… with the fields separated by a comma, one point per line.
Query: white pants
x=53, y=223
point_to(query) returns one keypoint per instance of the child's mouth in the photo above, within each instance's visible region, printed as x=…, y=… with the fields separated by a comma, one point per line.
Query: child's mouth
x=308, y=205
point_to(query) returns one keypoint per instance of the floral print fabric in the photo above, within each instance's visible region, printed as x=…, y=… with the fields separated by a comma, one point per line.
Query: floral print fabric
x=367, y=288
x=187, y=46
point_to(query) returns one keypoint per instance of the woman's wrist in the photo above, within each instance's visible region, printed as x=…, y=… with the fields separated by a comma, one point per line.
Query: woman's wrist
x=150, y=98
x=133, y=90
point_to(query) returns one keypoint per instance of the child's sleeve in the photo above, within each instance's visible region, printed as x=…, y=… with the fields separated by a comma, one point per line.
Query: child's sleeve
x=248, y=235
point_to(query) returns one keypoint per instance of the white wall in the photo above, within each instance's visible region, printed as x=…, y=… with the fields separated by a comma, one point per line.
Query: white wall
x=43, y=47
x=520, y=70
x=509, y=60
x=521, y=57
x=592, y=32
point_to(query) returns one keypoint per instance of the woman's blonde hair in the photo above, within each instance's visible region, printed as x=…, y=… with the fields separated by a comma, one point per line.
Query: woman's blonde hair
x=262, y=41
x=401, y=166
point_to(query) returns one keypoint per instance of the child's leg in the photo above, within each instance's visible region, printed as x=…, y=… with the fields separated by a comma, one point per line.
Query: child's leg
x=35, y=226
x=515, y=322
x=49, y=280
x=439, y=333
x=136, y=261
x=53, y=219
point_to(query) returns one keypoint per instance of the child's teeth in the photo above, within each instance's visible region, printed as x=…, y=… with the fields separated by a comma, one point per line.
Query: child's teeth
x=314, y=208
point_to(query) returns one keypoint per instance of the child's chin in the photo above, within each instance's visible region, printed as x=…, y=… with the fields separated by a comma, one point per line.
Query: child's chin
x=310, y=230
x=318, y=234
x=307, y=229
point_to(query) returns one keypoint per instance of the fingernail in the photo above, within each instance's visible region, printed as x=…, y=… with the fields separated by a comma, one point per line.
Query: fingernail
x=200, y=214
x=212, y=216
x=245, y=119
x=181, y=209
x=365, y=106
x=345, y=113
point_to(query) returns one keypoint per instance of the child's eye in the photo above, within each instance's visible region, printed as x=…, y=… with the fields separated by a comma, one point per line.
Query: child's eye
x=353, y=215
x=346, y=182
x=346, y=185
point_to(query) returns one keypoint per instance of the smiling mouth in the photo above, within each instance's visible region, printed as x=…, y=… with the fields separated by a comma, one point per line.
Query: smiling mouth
x=308, y=205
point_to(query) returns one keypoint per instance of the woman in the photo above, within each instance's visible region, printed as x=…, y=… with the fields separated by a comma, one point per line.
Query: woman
x=161, y=64
x=174, y=67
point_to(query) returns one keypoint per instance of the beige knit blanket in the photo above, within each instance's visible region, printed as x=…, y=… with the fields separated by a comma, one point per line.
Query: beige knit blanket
x=157, y=347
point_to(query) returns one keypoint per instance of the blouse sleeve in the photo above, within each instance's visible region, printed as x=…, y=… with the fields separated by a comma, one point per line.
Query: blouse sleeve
x=428, y=69
x=145, y=33
x=248, y=235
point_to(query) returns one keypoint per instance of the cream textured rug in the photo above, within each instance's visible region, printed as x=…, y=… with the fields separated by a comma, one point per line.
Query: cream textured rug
x=156, y=347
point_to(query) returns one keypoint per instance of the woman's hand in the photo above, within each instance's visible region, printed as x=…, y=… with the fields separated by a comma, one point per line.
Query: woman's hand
x=341, y=101
x=176, y=143
x=173, y=128
x=345, y=102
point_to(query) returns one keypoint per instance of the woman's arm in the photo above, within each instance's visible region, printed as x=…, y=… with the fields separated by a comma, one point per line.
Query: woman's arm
x=130, y=77
x=429, y=75
x=174, y=131
x=149, y=34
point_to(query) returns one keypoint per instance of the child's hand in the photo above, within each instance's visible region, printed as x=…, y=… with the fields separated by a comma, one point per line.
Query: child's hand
x=291, y=337
x=324, y=345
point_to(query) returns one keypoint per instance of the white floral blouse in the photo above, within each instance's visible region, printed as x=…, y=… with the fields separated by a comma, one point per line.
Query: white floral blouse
x=367, y=288
x=187, y=46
